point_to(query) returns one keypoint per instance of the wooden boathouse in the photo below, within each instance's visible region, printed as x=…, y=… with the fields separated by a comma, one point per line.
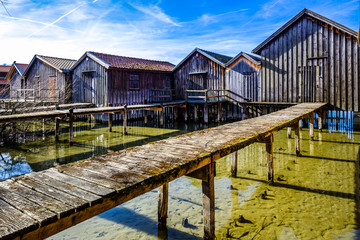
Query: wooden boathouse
x=311, y=59
x=16, y=78
x=47, y=79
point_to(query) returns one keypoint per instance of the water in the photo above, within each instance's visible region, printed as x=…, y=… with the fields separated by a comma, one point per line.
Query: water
x=315, y=196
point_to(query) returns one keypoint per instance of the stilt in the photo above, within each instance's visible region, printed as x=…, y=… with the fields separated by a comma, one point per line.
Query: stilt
x=186, y=115
x=163, y=193
x=145, y=117
x=71, y=120
x=289, y=132
x=206, y=113
x=320, y=120
x=208, y=194
x=324, y=115
x=219, y=112
x=110, y=117
x=311, y=123
x=57, y=129
x=125, y=120
x=300, y=124
x=270, y=158
x=162, y=116
x=196, y=113
x=234, y=163
x=176, y=113
x=297, y=139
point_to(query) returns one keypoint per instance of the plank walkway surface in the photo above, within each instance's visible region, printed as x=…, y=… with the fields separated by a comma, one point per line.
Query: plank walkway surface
x=40, y=204
x=83, y=111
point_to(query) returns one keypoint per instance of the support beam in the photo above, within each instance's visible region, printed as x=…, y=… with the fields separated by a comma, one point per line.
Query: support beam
x=125, y=120
x=196, y=113
x=234, y=163
x=289, y=132
x=300, y=124
x=186, y=115
x=270, y=158
x=219, y=112
x=208, y=194
x=176, y=113
x=311, y=123
x=57, y=129
x=297, y=139
x=163, y=193
x=162, y=116
x=71, y=125
x=110, y=118
x=320, y=121
x=145, y=117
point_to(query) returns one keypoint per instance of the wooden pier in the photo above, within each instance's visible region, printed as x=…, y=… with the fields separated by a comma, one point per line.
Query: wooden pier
x=40, y=204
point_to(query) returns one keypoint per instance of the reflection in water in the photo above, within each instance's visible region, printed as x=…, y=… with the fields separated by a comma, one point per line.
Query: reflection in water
x=12, y=167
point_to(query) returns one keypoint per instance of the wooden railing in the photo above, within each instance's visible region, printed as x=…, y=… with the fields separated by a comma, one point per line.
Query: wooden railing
x=214, y=96
x=52, y=95
x=161, y=95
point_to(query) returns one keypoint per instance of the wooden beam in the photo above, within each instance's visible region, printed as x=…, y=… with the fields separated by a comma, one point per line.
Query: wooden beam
x=270, y=158
x=110, y=116
x=125, y=120
x=311, y=123
x=208, y=193
x=145, y=117
x=71, y=125
x=234, y=163
x=163, y=193
x=297, y=139
x=320, y=120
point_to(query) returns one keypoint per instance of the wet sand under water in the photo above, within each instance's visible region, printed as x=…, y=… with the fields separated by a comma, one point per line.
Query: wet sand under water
x=315, y=196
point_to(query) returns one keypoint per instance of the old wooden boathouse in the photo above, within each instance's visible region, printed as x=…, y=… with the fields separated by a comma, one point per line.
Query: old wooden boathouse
x=16, y=78
x=111, y=80
x=48, y=79
x=311, y=59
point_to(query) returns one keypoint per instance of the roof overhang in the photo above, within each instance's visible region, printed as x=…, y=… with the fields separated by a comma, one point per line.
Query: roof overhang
x=90, y=55
x=245, y=55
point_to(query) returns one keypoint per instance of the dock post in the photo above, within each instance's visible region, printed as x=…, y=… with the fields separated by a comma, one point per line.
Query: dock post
x=219, y=112
x=196, y=113
x=297, y=139
x=320, y=120
x=145, y=117
x=208, y=195
x=163, y=193
x=57, y=125
x=300, y=124
x=206, y=113
x=289, y=132
x=270, y=158
x=110, y=116
x=234, y=163
x=176, y=113
x=186, y=115
x=162, y=116
x=311, y=123
x=125, y=119
x=71, y=123
x=324, y=115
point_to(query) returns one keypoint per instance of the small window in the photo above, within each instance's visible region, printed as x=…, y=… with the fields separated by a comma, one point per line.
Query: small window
x=134, y=81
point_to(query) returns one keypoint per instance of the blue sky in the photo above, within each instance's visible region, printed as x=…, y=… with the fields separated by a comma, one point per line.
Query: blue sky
x=162, y=30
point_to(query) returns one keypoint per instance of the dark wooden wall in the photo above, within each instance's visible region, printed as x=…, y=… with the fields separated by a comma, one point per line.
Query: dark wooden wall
x=183, y=80
x=312, y=61
x=15, y=83
x=44, y=71
x=244, y=79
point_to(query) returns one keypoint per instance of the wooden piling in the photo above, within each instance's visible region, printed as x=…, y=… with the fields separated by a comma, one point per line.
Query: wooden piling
x=176, y=113
x=110, y=118
x=234, y=163
x=311, y=123
x=320, y=120
x=196, y=113
x=219, y=112
x=162, y=116
x=57, y=125
x=163, y=193
x=289, y=132
x=145, y=117
x=270, y=158
x=206, y=113
x=125, y=120
x=208, y=194
x=71, y=123
x=297, y=139
x=300, y=124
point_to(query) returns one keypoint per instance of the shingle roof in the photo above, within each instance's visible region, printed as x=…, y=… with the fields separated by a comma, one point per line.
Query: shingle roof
x=222, y=58
x=297, y=17
x=5, y=68
x=22, y=67
x=133, y=63
x=59, y=63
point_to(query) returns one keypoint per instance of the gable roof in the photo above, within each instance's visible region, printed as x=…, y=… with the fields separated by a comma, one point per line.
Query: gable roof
x=4, y=68
x=121, y=62
x=297, y=17
x=20, y=67
x=218, y=58
x=252, y=58
x=61, y=64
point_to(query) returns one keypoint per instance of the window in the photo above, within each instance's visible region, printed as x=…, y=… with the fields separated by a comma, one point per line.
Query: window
x=134, y=81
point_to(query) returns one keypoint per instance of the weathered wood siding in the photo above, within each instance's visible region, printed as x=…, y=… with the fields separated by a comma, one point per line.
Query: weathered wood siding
x=38, y=78
x=243, y=78
x=312, y=61
x=15, y=83
x=90, y=83
x=184, y=80
x=120, y=92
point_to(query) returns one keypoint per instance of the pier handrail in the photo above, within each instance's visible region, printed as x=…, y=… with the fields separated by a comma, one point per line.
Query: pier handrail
x=217, y=94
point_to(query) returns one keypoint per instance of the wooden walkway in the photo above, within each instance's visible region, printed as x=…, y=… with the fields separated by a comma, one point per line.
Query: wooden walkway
x=40, y=204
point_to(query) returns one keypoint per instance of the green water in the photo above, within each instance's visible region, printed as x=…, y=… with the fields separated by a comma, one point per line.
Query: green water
x=316, y=196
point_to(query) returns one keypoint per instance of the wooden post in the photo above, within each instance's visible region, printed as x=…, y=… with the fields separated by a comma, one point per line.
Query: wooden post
x=162, y=116
x=57, y=125
x=206, y=108
x=186, y=115
x=145, y=117
x=110, y=116
x=320, y=121
x=71, y=120
x=270, y=158
x=196, y=113
x=289, y=132
x=163, y=193
x=311, y=123
x=176, y=113
x=219, y=112
x=234, y=163
x=208, y=194
x=324, y=116
x=300, y=124
x=297, y=139
x=125, y=120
